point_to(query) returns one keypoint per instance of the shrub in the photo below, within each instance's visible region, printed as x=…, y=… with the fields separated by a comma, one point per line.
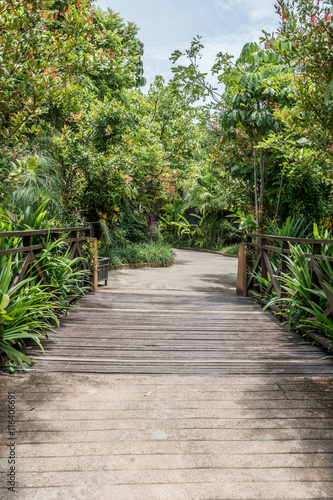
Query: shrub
x=301, y=310
x=157, y=254
x=26, y=312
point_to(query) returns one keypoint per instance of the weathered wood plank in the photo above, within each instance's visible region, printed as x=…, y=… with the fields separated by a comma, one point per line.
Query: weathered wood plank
x=176, y=333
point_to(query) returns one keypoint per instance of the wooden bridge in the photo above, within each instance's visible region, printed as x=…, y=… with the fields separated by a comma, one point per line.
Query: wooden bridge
x=176, y=332
x=152, y=392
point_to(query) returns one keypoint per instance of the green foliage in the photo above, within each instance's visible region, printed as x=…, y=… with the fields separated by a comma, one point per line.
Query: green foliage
x=26, y=313
x=157, y=254
x=128, y=225
x=122, y=42
x=231, y=249
x=278, y=94
x=39, y=57
x=246, y=221
x=29, y=310
x=301, y=311
x=304, y=43
x=62, y=273
x=293, y=227
x=29, y=220
x=46, y=183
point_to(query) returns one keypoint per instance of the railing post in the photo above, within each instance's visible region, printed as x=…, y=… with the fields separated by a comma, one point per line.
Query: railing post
x=94, y=277
x=27, y=241
x=241, y=287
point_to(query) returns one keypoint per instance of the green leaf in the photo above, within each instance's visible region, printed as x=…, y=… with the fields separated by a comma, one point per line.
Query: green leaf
x=4, y=301
x=328, y=93
x=302, y=140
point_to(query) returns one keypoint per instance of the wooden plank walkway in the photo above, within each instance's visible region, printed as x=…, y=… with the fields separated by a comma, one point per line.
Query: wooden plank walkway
x=183, y=332
x=171, y=395
x=169, y=437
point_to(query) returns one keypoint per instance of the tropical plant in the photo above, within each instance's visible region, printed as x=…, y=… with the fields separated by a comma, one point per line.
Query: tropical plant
x=293, y=227
x=297, y=303
x=27, y=312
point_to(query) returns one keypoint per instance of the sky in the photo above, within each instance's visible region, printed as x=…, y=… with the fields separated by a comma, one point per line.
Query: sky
x=167, y=25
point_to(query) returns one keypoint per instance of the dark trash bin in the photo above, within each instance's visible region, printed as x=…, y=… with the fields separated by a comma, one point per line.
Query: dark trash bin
x=103, y=269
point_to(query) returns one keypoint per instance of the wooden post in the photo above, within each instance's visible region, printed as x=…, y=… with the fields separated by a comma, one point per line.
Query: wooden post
x=94, y=277
x=241, y=287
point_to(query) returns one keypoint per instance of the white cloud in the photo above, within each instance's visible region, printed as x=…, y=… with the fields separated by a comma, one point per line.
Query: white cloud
x=223, y=6
x=226, y=25
x=254, y=10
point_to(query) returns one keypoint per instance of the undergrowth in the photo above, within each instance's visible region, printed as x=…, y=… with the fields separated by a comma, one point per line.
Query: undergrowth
x=157, y=254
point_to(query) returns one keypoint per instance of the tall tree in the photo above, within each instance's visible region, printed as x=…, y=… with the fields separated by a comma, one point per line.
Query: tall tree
x=254, y=85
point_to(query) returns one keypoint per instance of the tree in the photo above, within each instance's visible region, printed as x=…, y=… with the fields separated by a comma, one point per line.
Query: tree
x=42, y=50
x=304, y=41
x=121, y=40
x=254, y=85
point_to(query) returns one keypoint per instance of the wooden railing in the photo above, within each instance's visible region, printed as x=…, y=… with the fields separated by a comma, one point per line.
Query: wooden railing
x=257, y=255
x=32, y=242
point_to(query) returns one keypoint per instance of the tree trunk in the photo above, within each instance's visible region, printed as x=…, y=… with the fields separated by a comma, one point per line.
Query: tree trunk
x=279, y=198
x=255, y=188
x=262, y=189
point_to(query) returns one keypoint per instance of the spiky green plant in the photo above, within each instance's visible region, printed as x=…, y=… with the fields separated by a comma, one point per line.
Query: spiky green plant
x=62, y=273
x=298, y=304
x=293, y=227
x=29, y=309
x=26, y=313
x=29, y=220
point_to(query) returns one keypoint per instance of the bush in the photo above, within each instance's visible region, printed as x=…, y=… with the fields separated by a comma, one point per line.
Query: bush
x=26, y=312
x=301, y=311
x=157, y=254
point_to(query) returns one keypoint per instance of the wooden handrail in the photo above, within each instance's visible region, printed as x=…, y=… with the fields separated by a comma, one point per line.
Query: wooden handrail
x=39, y=232
x=260, y=262
x=290, y=239
x=28, y=249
